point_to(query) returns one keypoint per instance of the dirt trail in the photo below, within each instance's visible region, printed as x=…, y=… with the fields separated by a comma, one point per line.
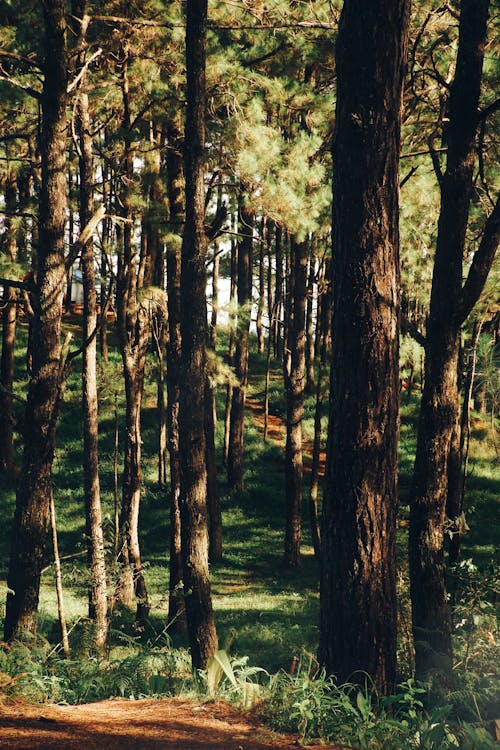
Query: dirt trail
x=174, y=724
x=276, y=431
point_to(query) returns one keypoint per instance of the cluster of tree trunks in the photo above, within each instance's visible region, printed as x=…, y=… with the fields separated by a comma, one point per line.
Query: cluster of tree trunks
x=360, y=324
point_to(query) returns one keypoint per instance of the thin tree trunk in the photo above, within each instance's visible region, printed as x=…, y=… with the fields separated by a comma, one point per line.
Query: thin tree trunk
x=231, y=348
x=314, y=487
x=133, y=321
x=175, y=181
x=278, y=297
x=358, y=610
x=449, y=306
x=295, y=383
x=106, y=237
x=116, y=497
x=193, y=500
x=45, y=388
x=9, y=320
x=161, y=402
x=310, y=328
x=262, y=290
x=58, y=577
x=456, y=484
x=213, y=500
x=236, y=430
x=215, y=298
x=98, y=606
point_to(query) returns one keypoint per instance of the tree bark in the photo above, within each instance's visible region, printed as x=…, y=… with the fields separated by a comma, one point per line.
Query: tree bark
x=194, y=537
x=231, y=348
x=175, y=184
x=261, y=347
x=456, y=482
x=449, y=305
x=236, y=430
x=98, y=606
x=310, y=328
x=35, y=485
x=358, y=609
x=9, y=320
x=133, y=323
x=295, y=385
x=213, y=500
x=314, y=487
x=278, y=296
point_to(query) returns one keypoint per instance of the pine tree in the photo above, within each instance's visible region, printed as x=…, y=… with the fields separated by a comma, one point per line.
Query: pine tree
x=358, y=576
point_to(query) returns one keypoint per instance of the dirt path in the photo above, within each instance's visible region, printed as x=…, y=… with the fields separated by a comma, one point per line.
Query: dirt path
x=276, y=432
x=137, y=725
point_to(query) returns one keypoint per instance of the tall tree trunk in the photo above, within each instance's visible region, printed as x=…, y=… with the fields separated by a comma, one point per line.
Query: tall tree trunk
x=133, y=320
x=358, y=578
x=310, y=328
x=98, y=607
x=194, y=537
x=456, y=483
x=449, y=306
x=213, y=500
x=231, y=348
x=262, y=290
x=44, y=393
x=295, y=383
x=215, y=298
x=278, y=297
x=105, y=243
x=175, y=182
x=9, y=319
x=236, y=430
x=314, y=487
x=58, y=577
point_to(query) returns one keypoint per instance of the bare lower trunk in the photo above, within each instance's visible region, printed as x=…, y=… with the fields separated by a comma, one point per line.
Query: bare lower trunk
x=175, y=177
x=456, y=484
x=213, y=501
x=295, y=384
x=131, y=498
x=58, y=577
x=45, y=387
x=310, y=328
x=231, y=349
x=9, y=319
x=194, y=537
x=449, y=306
x=236, y=431
x=314, y=488
x=358, y=613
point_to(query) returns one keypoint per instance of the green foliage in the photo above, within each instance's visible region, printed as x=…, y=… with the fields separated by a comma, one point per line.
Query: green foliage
x=317, y=707
x=233, y=679
x=39, y=673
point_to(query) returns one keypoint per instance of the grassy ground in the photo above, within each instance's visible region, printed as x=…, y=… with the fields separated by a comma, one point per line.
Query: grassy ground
x=271, y=611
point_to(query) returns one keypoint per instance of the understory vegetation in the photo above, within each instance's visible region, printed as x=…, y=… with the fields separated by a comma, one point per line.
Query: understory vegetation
x=267, y=613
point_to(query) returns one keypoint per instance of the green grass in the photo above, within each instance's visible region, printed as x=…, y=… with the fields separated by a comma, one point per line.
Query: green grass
x=267, y=611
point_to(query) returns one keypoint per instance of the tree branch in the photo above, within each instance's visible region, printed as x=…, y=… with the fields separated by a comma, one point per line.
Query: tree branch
x=481, y=264
x=411, y=329
x=85, y=235
x=28, y=286
x=74, y=83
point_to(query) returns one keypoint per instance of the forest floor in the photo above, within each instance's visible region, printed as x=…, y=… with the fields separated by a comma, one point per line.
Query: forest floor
x=173, y=724
x=167, y=724
x=276, y=430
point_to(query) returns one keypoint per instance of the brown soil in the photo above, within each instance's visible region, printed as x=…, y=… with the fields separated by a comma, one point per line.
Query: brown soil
x=175, y=724
x=276, y=432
